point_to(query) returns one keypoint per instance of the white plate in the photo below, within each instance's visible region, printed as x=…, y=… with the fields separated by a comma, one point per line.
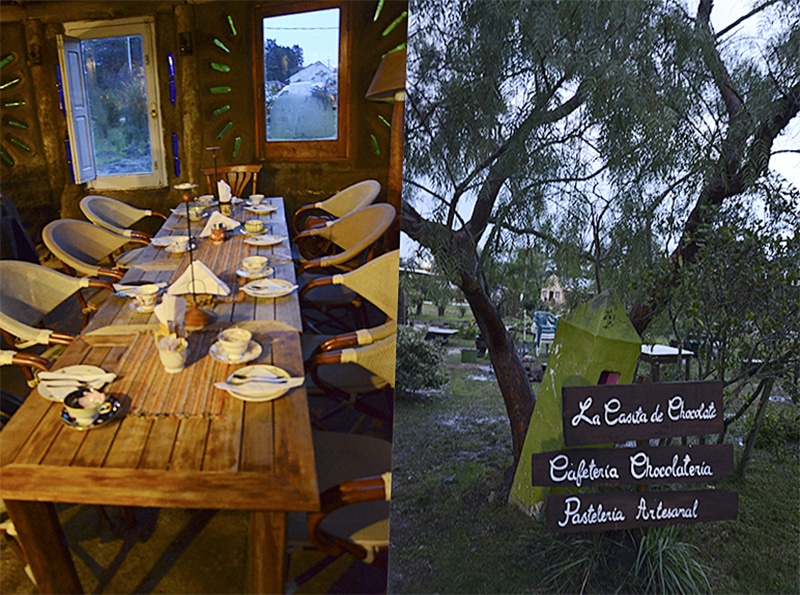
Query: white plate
x=116, y=408
x=261, y=209
x=248, y=275
x=269, y=288
x=264, y=240
x=253, y=351
x=68, y=371
x=176, y=249
x=260, y=370
x=165, y=241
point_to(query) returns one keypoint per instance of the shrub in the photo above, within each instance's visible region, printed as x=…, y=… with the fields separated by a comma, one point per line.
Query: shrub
x=667, y=565
x=779, y=428
x=469, y=332
x=419, y=362
x=611, y=562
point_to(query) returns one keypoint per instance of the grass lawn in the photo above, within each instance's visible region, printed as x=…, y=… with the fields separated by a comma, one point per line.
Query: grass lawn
x=453, y=531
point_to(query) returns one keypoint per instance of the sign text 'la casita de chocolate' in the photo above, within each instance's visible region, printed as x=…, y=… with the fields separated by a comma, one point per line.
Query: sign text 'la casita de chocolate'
x=621, y=413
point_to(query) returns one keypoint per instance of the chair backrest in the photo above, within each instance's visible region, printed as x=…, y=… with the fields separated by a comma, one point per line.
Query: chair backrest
x=355, y=233
x=80, y=245
x=376, y=281
x=237, y=176
x=354, y=470
x=28, y=293
x=112, y=214
x=377, y=357
x=545, y=321
x=357, y=196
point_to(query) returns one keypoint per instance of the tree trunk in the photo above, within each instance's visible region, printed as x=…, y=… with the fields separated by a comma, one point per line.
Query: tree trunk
x=512, y=378
x=751, y=437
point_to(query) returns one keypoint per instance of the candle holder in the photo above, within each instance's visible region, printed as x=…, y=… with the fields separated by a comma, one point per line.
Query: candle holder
x=195, y=317
x=214, y=187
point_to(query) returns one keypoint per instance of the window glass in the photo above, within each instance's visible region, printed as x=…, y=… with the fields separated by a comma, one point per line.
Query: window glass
x=118, y=105
x=301, y=67
x=302, y=56
x=112, y=102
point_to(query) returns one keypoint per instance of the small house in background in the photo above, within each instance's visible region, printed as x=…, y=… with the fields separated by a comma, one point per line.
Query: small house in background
x=552, y=294
x=313, y=73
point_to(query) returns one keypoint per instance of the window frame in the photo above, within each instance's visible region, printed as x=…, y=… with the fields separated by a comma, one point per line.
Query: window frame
x=303, y=150
x=144, y=26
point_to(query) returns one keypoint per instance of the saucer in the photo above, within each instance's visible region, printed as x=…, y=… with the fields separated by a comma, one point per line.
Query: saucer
x=261, y=209
x=269, y=288
x=253, y=351
x=164, y=241
x=138, y=308
x=251, y=234
x=265, y=240
x=265, y=272
x=101, y=420
x=175, y=249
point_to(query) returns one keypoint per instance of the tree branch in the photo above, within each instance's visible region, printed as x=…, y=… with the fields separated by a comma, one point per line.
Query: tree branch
x=501, y=168
x=740, y=20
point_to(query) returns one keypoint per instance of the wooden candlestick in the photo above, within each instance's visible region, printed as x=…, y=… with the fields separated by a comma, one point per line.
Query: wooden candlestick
x=195, y=317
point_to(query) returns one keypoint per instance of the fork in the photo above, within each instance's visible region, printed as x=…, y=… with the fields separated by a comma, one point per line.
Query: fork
x=242, y=379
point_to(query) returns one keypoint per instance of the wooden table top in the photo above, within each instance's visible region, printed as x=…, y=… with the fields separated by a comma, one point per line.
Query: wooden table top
x=157, y=265
x=234, y=455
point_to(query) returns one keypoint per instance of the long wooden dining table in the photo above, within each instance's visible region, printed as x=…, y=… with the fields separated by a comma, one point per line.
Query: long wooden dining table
x=181, y=442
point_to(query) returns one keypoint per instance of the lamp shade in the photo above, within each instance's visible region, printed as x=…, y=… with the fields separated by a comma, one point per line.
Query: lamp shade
x=390, y=77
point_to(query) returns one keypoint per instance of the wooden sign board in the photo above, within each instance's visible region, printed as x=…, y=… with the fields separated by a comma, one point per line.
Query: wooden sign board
x=587, y=467
x=605, y=413
x=612, y=511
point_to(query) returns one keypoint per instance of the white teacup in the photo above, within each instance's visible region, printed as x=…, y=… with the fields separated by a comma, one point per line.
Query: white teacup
x=196, y=212
x=254, y=265
x=146, y=297
x=234, y=342
x=86, y=405
x=173, y=354
x=206, y=199
x=254, y=225
x=255, y=199
x=181, y=244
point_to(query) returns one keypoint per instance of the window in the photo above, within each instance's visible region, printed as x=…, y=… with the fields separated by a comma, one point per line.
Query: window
x=302, y=80
x=111, y=100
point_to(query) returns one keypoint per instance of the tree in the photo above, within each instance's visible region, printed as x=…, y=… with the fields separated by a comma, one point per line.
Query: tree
x=517, y=112
x=282, y=61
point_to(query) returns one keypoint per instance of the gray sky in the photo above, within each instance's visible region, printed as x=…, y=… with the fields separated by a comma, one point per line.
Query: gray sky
x=316, y=32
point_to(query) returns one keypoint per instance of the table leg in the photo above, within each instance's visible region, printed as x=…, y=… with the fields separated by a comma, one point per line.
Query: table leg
x=267, y=544
x=42, y=538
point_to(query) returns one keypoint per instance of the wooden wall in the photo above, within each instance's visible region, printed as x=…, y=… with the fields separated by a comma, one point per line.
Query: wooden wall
x=39, y=182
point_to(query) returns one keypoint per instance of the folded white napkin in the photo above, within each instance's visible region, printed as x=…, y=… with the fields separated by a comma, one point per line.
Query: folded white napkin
x=131, y=290
x=217, y=219
x=55, y=385
x=171, y=311
x=224, y=190
x=88, y=377
x=205, y=281
x=255, y=388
